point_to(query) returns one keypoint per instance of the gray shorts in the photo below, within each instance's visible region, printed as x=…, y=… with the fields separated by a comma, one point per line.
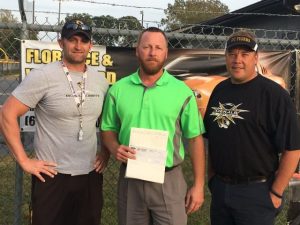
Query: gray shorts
x=146, y=203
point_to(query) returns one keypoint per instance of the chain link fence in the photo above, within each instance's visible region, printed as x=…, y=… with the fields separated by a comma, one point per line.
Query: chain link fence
x=15, y=187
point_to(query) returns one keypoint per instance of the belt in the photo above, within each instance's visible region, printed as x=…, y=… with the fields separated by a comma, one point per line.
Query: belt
x=242, y=180
x=170, y=168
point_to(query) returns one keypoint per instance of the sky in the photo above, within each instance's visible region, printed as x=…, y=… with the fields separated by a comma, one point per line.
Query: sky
x=93, y=7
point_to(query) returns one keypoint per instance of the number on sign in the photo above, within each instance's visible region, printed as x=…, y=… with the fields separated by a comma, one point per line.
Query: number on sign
x=29, y=120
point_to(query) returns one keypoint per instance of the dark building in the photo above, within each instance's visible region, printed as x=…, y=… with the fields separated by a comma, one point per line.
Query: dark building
x=271, y=19
x=265, y=14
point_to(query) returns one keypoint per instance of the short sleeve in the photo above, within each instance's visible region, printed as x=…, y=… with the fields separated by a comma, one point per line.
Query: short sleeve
x=287, y=134
x=191, y=120
x=110, y=120
x=32, y=89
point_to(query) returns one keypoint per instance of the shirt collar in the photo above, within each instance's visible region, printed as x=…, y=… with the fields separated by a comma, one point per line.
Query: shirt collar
x=164, y=79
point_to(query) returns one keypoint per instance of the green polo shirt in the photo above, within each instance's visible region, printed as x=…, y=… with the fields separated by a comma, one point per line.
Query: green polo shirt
x=168, y=105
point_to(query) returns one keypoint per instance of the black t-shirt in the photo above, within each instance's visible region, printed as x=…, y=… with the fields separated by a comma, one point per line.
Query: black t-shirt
x=247, y=125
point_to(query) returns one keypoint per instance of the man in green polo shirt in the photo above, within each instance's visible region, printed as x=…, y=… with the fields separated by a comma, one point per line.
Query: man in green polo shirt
x=153, y=99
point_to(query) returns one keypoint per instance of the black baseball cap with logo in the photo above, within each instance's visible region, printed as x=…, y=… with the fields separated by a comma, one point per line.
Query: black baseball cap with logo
x=73, y=27
x=243, y=39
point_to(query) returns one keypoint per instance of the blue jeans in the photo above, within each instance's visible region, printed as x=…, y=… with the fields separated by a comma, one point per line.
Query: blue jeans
x=241, y=204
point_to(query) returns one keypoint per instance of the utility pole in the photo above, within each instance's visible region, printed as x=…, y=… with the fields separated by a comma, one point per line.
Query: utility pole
x=142, y=12
x=33, y=9
x=59, y=9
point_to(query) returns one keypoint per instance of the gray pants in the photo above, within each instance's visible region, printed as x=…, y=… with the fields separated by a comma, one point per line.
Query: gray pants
x=147, y=203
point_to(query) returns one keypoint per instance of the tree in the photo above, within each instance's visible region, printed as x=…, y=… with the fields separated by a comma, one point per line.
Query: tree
x=91, y=21
x=84, y=17
x=185, y=12
x=128, y=23
x=7, y=17
x=105, y=22
x=9, y=42
x=123, y=23
x=98, y=22
x=10, y=38
x=109, y=22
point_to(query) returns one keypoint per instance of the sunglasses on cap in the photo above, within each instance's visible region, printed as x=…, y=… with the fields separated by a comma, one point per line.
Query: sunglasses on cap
x=77, y=25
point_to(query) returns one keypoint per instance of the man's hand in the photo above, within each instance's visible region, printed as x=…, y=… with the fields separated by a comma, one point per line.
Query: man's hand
x=39, y=167
x=296, y=175
x=123, y=153
x=276, y=201
x=101, y=161
x=194, y=199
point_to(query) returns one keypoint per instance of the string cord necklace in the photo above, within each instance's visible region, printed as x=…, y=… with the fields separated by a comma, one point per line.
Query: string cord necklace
x=79, y=99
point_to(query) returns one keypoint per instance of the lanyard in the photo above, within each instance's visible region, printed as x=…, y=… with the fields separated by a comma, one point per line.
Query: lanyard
x=79, y=100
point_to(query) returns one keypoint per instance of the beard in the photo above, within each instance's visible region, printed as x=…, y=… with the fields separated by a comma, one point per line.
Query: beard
x=150, y=68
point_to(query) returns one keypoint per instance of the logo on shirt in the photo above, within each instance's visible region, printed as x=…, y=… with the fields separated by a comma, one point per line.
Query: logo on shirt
x=226, y=114
x=80, y=85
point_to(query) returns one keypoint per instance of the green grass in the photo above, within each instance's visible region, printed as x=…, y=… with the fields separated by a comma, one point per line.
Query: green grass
x=7, y=187
x=109, y=213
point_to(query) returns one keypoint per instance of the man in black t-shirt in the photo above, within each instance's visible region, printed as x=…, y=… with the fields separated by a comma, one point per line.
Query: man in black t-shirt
x=250, y=120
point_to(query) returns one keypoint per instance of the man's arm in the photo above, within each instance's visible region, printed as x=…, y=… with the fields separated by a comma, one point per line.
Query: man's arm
x=11, y=110
x=102, y=159
x=288, y=163
x=121, y=152
x=195, y=195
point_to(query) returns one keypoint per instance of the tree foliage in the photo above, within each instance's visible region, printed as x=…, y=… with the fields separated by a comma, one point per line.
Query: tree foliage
x=84, y=17
x=186, y=12
x=9, y=37
x=105, y=22
x=128, y=23
x=109, y=22
x=7, y=17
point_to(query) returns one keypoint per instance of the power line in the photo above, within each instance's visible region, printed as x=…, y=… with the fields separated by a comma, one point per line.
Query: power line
x=37, y=11
x=178, y=11
x=119, y=5
x=185, y=11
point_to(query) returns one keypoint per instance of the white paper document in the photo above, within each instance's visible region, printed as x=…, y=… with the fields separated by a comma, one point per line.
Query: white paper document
x=151, y=152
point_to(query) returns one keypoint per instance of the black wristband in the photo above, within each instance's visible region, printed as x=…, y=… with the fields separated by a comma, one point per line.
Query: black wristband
x=275, y=193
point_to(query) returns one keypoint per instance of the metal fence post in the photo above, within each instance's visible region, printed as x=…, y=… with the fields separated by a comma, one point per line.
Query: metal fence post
x=18, y=195
x=19, y=171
